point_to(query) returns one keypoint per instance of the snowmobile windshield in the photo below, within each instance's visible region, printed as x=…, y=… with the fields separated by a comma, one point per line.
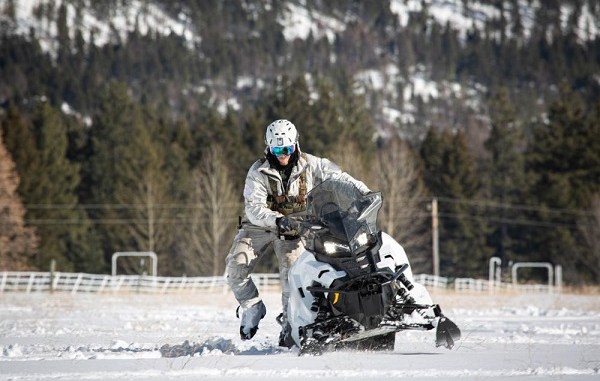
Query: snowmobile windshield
x=349, y=216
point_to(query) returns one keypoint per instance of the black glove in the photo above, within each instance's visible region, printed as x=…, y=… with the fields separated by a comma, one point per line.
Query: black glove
x=287, y=226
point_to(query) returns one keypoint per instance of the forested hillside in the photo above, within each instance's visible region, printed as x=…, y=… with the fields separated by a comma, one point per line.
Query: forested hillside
x=129, y=125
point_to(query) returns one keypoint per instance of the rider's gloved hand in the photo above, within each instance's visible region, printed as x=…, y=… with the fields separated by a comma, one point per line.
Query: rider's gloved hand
x=287, y=226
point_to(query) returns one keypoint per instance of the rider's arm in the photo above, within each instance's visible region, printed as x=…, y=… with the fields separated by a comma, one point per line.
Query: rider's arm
x=327, y=169
x=255, y=199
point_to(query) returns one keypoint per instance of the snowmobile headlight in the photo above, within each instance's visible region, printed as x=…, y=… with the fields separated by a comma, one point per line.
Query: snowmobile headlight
x=362, y=239
x=334, y=247
x=360, y=242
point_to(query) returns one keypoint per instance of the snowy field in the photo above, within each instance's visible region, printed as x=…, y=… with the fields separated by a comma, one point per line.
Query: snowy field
x=119, y=337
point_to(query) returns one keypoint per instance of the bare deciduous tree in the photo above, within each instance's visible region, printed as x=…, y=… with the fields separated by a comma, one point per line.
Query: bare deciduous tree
x=215, y=216
x=150, y=227
x=348, y=156
x=403, y=215
x=148, y=212
x=395, y=174
x=17, y=242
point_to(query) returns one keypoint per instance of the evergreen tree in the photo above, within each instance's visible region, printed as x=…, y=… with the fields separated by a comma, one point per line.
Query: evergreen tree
x=507, y=180
x=291, y=100
x=62, y=30
x=139, y=179
x=327, y=118
x=55, y=184
x=432, y=154
x=253, y=135
x=108, y=143
x=451, y=177
x=333, y=117
x=49, y=184
x=142, y=193
x=450, y=48
x=355, y=121
x=565, y=158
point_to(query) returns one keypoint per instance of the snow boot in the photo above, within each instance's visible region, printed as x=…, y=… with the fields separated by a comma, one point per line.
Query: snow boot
x=285, y=336
x=250, y=319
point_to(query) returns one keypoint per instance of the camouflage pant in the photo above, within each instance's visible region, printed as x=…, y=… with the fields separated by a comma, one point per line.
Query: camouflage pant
x=247, y=248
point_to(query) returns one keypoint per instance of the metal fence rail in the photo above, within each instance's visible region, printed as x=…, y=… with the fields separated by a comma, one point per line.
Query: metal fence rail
x=16, y=281
x=431, y=281
x=484, y=285
x=81, y=282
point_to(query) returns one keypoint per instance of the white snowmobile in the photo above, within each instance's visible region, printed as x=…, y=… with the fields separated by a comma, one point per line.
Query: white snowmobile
x=352, y=288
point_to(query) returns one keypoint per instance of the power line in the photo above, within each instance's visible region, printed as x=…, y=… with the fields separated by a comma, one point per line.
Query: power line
x=180, y=216
x=480, y=203
x=191, y=219
x=514, y=221
x=115, y=221
x=495, y=204
x=123, y=206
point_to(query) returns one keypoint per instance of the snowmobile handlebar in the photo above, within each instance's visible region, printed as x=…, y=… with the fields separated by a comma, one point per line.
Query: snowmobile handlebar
x=399, y=275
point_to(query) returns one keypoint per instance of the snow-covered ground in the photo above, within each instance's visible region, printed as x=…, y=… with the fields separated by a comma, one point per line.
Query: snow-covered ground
x=119, y=337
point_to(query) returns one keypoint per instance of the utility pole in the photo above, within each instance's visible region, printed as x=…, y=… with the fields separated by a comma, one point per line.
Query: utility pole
x=435, y=237
x=52, y=274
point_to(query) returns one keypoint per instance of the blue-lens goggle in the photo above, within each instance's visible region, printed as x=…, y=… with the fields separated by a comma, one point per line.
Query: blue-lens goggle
x=282, y=151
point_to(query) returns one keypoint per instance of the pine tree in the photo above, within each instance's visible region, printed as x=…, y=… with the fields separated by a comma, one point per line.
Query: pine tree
x=17, y=241
x=507, y=180
x=432, y=154
x=291, y=100
x=138, y=175
x=62, y=30
x=450, y=176
x=565, y=160
x=328, y=124
x=141, y=191
x=108, y=143
x=49, y=187
x=356, y=123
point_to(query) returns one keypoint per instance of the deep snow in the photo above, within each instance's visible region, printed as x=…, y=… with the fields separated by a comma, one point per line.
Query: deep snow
x=119, y=337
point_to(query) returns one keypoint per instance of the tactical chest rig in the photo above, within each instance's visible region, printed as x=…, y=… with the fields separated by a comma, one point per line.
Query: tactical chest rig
x=285, y=204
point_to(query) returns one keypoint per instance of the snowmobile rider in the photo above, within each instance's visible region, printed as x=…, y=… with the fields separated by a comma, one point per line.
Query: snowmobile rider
x=276, y=185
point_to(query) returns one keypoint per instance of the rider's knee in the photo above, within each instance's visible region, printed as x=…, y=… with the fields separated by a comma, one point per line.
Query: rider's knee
x=237, y=268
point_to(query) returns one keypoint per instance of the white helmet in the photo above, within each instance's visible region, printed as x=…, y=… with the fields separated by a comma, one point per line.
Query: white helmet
x=281, y=133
